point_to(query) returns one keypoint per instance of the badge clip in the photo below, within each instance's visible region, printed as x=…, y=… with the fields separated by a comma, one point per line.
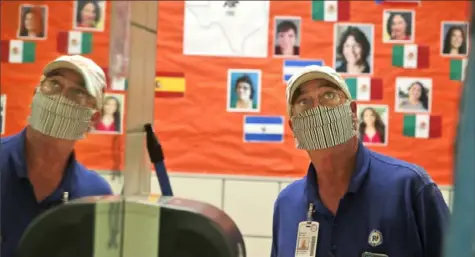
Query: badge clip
x=309, y=213
x=65, y=197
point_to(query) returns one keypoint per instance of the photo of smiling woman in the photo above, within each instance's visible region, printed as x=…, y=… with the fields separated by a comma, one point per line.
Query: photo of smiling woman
x=89, y=15
x=33, y=22
x=111, y=115
x=454, y=38
x=373, y=123
x=353, y=52
x=243, y=90
x=398, y=26
x=413, y=95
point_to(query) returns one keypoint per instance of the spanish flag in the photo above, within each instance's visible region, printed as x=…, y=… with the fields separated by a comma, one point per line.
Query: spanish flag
x=169, y=84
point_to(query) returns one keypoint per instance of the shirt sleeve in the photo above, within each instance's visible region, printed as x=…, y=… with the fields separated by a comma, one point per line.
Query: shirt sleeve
x=275, y=230
x=108, y=189
x=432, y=217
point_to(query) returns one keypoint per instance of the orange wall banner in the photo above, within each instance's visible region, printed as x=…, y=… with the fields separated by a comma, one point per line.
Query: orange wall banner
x=411, y=56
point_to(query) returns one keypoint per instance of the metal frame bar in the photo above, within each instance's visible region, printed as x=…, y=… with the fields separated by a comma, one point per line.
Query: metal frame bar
x=140, y=95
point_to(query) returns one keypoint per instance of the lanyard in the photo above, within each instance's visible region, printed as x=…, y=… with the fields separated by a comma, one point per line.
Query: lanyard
x=310, y=212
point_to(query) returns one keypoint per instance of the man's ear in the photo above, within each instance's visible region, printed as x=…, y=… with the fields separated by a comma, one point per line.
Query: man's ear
x=354, y=116
x=353, y=107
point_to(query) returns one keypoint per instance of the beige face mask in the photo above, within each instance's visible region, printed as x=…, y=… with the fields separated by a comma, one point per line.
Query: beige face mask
x=323, y=127
x=59, y=117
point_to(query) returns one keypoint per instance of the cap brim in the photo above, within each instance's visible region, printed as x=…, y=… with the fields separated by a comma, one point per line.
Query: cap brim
x=308, y=76
x=62, y=65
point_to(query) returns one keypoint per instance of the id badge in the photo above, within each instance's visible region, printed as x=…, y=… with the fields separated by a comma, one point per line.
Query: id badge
x=307, y=238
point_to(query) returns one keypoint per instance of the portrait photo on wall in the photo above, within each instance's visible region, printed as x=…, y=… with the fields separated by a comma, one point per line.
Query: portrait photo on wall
x=353, y=49
x=287, y=36
x=413, y=95
x=373, y=123
x=244, y=90
x=89, y=15
x=454, y=38
x=398, y=26
x=3, y=107
x=111, y=120
x=32, y=22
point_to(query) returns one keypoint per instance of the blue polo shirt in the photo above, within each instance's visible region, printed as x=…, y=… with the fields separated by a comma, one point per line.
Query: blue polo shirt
x=18, y=206
x=391, y=198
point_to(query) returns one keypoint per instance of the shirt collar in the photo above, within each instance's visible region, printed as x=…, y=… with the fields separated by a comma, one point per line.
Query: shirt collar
x=359, y=174
x=19, y=162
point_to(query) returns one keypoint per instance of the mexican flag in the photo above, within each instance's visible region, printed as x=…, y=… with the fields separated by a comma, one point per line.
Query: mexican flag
x=18, y=51
x=74, y=42
x=330, y=10
x=119, y=83
x=458, y=69
x=365, y=88
x=422, y=126
x=410, y=56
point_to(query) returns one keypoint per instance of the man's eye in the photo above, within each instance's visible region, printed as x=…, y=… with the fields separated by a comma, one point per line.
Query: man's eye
x=329, y=95
x=304, y=101
x=53, y=83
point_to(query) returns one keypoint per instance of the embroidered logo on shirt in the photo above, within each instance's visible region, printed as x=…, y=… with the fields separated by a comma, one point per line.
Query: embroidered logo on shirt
x=375, y=238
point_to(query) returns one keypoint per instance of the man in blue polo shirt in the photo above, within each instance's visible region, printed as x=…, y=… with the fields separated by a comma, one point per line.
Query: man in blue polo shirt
x=353, y=201
x=38, y=165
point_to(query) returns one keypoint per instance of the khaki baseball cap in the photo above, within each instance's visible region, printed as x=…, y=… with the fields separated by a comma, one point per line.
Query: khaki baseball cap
x=92, y=74
x=310, y=73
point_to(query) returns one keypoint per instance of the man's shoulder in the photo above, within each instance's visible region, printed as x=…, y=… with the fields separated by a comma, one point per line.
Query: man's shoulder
x=91, y=183
x=8, y=145
x=8, y=140
x=399, y=170
x=292, y=192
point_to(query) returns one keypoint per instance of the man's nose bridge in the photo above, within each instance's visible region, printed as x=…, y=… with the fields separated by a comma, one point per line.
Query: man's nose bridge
x=66, y=90
x=315, y=102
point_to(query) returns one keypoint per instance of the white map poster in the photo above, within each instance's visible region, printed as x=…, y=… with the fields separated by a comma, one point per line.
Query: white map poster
x=226, y=28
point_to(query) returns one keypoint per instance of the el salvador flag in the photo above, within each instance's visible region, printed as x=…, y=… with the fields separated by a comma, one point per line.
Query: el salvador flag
x=292, y=66
x=264, y=129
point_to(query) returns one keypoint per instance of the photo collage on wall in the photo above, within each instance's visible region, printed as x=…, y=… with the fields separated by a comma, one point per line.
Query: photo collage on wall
x=88, y=17
x=353, y=58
